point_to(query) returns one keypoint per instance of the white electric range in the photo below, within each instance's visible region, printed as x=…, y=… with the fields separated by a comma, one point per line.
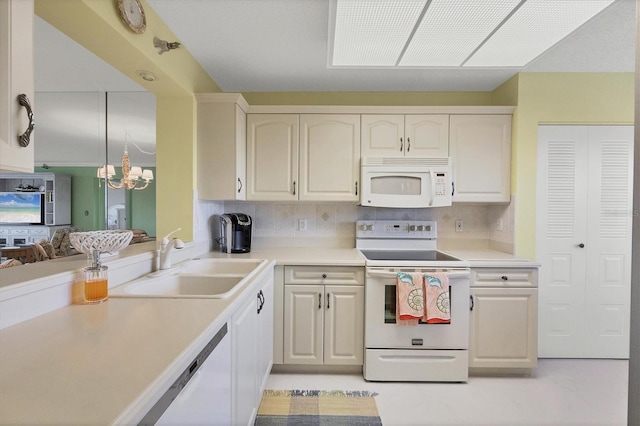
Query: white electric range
x=424, y=352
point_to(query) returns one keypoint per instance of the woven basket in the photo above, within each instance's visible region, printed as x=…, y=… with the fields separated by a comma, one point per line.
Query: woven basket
x=104, y=241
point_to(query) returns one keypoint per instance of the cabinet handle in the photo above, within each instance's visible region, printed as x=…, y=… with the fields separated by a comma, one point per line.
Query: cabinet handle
x=239, y=185
x=261, y=301
x=401, y=144
x=23, y=139
x=581, y=245
x=408, y=144
x=504, y=278
x=319, y=300
x=294, y=187
x=356, y=188
x=328, y=300
x=471, y=303
x=453, y=189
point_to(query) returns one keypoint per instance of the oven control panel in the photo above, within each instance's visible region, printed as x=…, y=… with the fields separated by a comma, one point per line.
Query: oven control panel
x=410, y=229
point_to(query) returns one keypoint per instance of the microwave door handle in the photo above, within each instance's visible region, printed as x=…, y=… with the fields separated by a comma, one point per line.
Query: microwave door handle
x=433, y=186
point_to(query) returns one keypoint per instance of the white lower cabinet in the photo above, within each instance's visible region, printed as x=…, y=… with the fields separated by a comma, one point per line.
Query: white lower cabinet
x=324, y=315
x=252, y=341
x=503, y=320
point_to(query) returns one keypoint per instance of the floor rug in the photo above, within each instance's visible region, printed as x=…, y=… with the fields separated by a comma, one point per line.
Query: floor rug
x=316, y=407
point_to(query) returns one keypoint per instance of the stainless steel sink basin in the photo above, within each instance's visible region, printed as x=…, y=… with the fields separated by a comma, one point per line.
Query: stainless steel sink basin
x=198, y=278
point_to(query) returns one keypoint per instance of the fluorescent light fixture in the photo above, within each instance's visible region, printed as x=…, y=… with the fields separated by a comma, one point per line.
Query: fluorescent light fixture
x=534, y=27
x=453, y=33
x=451, y=30
x=373, y=32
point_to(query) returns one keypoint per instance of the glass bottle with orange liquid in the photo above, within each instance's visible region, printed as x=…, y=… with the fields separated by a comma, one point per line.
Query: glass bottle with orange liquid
x=96, y=288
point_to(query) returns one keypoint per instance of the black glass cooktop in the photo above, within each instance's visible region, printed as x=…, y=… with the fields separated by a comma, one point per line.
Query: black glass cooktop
x=408, y=255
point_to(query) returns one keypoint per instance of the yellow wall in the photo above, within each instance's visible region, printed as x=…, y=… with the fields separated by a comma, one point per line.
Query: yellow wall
x=558, y=98
x=369, y=98
x=96, y=25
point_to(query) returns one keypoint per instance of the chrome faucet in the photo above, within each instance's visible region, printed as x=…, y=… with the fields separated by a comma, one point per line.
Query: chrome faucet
x=165, y=249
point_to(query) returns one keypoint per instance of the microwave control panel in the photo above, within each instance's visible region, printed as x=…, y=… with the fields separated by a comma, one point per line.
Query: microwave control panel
x=441, y=184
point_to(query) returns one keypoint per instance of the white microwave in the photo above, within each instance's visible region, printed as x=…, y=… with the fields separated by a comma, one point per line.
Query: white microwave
x=406, y=182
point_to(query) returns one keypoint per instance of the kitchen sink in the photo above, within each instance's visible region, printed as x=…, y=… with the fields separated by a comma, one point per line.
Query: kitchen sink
x=198, y=278
x=220, y=266
x=219, y=287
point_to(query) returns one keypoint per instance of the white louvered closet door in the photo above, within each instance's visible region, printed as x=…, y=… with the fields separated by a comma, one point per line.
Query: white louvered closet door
x=584, y=211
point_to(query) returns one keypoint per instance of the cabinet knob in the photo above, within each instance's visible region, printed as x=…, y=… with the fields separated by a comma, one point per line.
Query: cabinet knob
x=504, y=278
x=324, y=276
x=581, y=245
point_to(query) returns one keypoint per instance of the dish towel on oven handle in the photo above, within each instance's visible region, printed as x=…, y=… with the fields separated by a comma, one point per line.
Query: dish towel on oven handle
x=409, y=298
x=437, y=307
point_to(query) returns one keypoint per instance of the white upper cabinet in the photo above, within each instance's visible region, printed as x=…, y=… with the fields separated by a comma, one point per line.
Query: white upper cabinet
x=416, y=135
x=307, y=157
x=329, y=157
x=480, y=147
x=16, y=78
x=222, y=147
x=272, y=157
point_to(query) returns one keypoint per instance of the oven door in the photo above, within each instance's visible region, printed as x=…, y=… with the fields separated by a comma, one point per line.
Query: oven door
x=381, y=330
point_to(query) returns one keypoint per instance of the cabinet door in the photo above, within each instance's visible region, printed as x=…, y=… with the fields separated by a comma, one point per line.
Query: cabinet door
x=265, y=301
x=244, y=336
x=303, y=324
x=480, y=147
x=16, y=77
x=272, y=157
x=503, y=328
x=426, y=135
x=382, y=135
x=329, y=157
x=222, y=148
x=344, y=325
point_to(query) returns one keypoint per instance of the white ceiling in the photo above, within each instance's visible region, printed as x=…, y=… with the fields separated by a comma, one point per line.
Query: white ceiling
x=282, y=45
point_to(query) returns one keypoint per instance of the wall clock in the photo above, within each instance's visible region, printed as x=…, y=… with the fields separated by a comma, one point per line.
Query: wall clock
x=132, y=15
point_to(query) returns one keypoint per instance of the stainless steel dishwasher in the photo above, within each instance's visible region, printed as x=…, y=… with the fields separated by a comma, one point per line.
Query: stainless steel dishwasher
x=202, y=393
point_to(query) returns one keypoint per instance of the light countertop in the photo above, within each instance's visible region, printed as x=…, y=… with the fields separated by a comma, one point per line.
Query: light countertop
x=89, y=364
x=300, y=256
x=110, y=362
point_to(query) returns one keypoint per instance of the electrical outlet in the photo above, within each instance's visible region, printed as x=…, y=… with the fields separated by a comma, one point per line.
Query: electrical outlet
x=459, y=225
x=302, y=224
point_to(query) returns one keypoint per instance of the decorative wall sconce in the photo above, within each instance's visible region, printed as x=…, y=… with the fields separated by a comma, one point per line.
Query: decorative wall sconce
x=164, y=46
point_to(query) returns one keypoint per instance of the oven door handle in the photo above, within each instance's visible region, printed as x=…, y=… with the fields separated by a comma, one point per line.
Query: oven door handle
x=393, y=274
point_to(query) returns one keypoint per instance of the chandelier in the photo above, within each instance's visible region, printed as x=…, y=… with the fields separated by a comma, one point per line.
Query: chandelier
x=131, y=176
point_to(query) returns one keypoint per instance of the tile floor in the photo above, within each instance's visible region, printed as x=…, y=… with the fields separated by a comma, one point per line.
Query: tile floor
x=560, y=392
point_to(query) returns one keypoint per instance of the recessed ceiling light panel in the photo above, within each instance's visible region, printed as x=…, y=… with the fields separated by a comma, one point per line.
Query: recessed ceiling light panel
x=373, y=32
x=452, y=29
x=534, y=27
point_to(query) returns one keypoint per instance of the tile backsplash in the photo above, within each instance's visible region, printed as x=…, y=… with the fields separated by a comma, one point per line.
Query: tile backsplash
x=333, y=224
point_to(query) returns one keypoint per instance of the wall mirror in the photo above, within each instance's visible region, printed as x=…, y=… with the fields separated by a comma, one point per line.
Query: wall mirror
x=87, y=112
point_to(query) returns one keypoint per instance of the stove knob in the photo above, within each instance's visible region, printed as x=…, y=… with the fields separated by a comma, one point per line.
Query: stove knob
x=363, y=227
x=370, y=227
x=420, y=228
x=412, y=228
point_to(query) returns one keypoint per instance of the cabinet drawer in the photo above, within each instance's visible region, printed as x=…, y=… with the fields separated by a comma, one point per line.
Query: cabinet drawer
x=504, y=277
x=39, y=232
x=19, y=232
x=335, y=275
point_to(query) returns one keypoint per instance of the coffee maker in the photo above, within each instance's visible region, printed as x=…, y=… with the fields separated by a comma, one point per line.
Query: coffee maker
x=235, y=233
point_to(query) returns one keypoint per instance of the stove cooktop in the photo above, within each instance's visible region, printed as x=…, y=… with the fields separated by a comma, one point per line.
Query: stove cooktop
x=408, y=255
